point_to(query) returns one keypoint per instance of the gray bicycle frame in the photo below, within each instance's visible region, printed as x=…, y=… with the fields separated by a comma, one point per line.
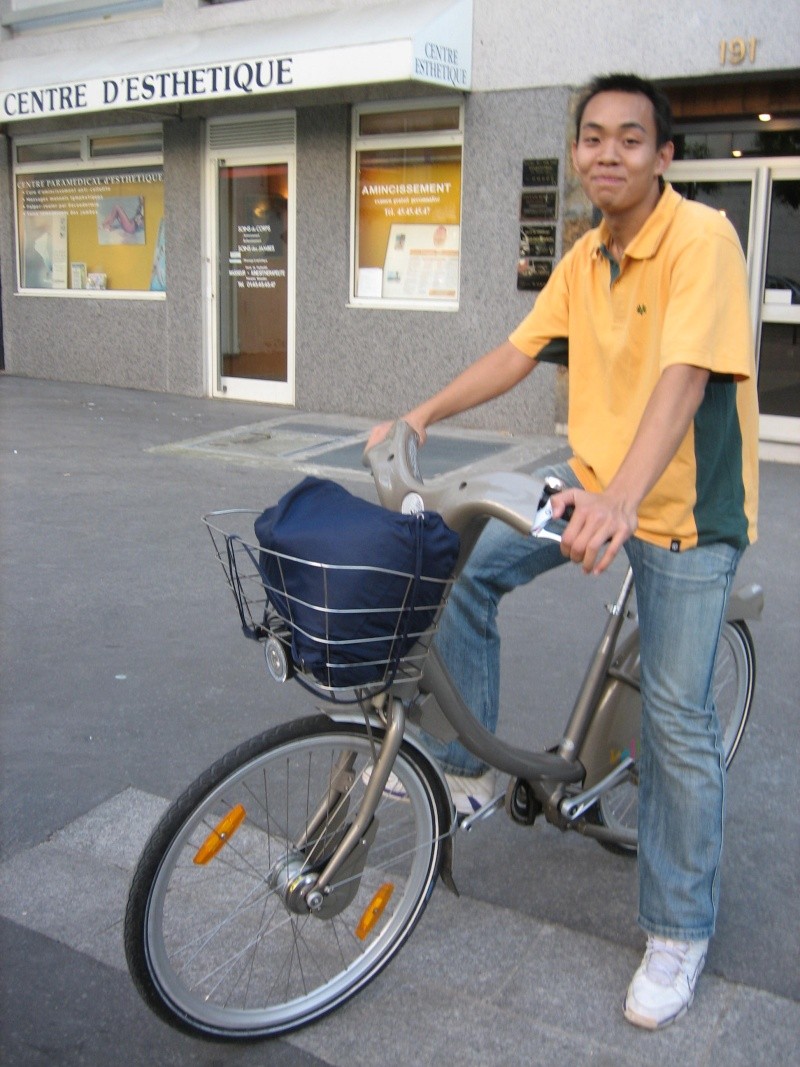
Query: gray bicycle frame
x=607, y=709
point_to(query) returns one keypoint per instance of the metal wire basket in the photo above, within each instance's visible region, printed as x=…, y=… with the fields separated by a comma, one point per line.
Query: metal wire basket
x=316, y=639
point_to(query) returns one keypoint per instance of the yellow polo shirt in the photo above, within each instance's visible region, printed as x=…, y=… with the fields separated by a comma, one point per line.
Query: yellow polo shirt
x=678, y=297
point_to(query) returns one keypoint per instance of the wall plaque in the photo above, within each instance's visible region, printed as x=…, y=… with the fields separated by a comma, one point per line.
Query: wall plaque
x=537, y=240
x=540, y=172
x=538, y=205
x=533, y=273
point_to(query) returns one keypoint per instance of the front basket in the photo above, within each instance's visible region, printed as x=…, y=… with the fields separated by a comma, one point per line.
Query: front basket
x=337, y=646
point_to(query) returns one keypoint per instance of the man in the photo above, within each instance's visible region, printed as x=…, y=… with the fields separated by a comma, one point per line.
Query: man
x=651, y=310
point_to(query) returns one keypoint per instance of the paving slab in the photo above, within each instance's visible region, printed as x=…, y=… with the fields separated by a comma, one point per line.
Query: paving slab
x=125, y=674
x=476, y=977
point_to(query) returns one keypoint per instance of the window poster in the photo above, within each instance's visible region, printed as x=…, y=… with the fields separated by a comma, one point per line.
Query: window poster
x=107, y=225
x=409, y=224
x=421, y=262
x=44, y=265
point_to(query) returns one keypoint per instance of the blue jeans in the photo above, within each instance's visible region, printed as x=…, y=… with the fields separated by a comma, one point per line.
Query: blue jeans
x=681, y=599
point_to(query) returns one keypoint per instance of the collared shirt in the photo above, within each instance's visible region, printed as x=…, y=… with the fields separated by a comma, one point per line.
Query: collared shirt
x=679, y=296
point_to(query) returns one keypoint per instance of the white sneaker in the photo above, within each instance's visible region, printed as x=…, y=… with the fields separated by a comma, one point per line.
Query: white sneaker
x=470, y=794
x=662, y=989
x=394, y=788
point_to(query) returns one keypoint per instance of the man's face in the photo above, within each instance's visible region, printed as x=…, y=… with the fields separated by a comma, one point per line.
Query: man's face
x=616, y=157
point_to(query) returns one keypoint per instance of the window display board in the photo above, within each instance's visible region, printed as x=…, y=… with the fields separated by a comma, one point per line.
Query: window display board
x=408, y=225
x=421, y=263
x=99, y=230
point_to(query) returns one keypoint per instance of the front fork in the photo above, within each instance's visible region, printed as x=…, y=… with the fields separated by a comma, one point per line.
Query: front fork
x=344, y=853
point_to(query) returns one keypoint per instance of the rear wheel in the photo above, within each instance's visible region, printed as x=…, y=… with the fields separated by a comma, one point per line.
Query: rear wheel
x=734, y=684
x=218, y=934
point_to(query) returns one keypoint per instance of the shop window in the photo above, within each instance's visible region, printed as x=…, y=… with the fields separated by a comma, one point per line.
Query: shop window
x=407, y=206
x=126, y=144
x=33, y=16
x=737, y=140
x=45, y=151
x=87, y=226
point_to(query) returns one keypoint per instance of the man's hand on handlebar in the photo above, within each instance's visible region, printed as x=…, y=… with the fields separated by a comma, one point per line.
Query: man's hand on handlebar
x=381, y=431
x=597, y=529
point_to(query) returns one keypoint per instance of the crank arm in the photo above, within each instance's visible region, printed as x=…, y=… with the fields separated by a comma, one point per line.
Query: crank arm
x=489, y=808
x=573, y=807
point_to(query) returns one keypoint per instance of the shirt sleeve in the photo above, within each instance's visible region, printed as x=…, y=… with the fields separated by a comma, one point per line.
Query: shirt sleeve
x=707, y=318
x=543, y=333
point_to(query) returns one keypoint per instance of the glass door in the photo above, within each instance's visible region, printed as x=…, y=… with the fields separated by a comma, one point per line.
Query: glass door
x=762, y=200
x=252, y=281
x=779, y=367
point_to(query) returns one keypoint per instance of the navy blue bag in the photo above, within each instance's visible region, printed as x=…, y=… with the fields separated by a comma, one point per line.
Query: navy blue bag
x=356, y=583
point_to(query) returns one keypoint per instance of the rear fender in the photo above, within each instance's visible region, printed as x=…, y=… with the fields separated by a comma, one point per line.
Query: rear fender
x=745, y=603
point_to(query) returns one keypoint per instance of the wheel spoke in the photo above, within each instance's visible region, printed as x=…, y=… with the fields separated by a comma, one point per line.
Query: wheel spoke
x=733, y=683
x=229, y=947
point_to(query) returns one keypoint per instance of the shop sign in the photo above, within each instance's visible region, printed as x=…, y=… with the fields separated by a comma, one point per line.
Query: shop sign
x=155, y=87
x=437, y=51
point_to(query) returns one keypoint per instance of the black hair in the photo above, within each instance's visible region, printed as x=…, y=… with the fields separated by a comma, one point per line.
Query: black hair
x=630, y=83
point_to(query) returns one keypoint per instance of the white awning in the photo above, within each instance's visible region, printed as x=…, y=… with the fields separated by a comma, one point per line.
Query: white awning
x=427, y=41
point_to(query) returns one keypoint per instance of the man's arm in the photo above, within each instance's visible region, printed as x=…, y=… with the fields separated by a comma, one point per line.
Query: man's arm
x=486, y=378
x=611, y=517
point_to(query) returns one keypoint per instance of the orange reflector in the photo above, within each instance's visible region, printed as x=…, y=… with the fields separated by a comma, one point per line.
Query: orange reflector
x=375, y=910
x=220, y=835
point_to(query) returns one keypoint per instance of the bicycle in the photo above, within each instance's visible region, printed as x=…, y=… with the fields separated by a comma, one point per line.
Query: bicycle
x=290, y=873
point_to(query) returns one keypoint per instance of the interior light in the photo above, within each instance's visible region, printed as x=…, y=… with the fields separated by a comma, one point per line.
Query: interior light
x=736, y=153
x=764, y=116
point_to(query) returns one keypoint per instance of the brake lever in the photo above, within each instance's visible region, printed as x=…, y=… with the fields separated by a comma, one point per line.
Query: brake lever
x=545, y=515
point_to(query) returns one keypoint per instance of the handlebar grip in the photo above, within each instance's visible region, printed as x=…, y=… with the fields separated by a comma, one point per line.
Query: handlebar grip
x=394, y=463
x=411, y=443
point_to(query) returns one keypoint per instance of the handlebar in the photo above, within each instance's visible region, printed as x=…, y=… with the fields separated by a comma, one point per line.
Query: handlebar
x=465, y=504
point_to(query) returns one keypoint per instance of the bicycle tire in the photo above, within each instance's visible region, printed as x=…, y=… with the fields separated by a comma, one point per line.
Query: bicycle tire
x=216, y=949
x=734, y=686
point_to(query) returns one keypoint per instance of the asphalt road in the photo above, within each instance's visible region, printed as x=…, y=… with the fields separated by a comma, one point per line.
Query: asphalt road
x=124, y=674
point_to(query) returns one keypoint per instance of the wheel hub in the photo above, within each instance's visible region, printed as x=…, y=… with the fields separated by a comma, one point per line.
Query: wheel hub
x=292, y=880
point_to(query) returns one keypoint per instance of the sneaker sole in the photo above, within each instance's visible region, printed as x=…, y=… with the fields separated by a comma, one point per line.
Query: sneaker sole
x=647, y=1022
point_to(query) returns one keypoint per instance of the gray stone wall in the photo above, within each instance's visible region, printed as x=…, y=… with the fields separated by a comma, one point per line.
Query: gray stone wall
x=182, y=345
x=516, y=43
x=133, y=343
x=522, y=43
x=378, y=361
x=529, y=56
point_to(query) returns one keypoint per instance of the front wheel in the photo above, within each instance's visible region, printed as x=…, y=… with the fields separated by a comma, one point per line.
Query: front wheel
x=734, y=685
x=219, y=938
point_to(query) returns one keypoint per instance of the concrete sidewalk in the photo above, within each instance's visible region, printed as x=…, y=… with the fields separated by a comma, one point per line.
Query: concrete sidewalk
x=125, y=674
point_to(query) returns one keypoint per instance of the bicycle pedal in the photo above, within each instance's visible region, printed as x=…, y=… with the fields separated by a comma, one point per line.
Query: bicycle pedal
x=521, y=804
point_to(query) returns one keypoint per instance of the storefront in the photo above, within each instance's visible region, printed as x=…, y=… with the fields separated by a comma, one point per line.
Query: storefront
x=744, y=160
x=340, y=208
x=93, y=220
